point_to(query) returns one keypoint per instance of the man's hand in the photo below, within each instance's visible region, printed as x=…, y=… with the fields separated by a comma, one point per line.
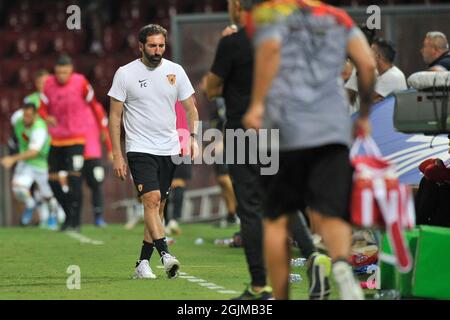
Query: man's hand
x=229, y=30
x=362, y=127
x=8, y=162
x=120, y=168
x=51, y=121
x=194, y=148
x=253, y=118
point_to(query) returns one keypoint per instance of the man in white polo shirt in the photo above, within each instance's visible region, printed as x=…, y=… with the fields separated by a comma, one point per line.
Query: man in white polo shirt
x=390, y=78
x=146, y=91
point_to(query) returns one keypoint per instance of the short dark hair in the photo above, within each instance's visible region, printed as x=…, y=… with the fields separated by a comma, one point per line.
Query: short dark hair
x=29, y=105
x=150, y=30
x=64, y=60
x=386, y=49
x=40, y=73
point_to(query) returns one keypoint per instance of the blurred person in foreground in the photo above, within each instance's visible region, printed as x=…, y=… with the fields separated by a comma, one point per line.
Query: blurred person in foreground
x=301, y=48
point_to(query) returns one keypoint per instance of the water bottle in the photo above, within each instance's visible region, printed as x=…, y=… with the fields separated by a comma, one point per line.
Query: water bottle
x=299, y=262
x=387, y=295
x=223, y=242
x=295, y=277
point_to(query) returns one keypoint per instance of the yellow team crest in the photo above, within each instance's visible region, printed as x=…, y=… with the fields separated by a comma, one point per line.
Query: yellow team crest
x=172, y=78
x=140, y=186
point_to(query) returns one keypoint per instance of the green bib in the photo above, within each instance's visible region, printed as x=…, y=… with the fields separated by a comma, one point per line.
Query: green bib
x=23, y=135
x=33, y=98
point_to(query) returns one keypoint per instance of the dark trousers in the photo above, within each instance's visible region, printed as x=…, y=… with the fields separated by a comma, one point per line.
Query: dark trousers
x=433, y=204
x=94, y=174
x=249, y=196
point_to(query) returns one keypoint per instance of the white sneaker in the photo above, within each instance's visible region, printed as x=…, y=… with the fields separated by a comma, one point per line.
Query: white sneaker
x=171, y=265
x=173, y=227
x=349, y=288
x=144, y=271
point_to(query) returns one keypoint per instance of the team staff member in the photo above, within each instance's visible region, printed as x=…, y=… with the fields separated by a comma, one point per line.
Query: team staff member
x=146, y=91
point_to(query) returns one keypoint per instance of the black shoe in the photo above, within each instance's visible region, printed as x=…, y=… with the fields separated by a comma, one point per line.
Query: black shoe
x=249, y=294
x=231, y=219
x=319, y=269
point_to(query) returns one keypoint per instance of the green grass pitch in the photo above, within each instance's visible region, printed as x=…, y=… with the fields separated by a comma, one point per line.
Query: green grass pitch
x=34, y=262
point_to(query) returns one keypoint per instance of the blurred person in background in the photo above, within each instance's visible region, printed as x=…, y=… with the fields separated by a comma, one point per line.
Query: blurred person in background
x=435, y=51
x=65, y=103
x=93, y=170
x=34, y=145
x=389, y=77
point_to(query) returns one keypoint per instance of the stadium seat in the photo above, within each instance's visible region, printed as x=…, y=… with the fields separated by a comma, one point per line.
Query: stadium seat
x=55, y=16
x=9, y=39
x=134, y=13
x=69, y=42
x=105, y=69
x=32, y=45
x=113, y=39
x=20, y=20
x=8, y=71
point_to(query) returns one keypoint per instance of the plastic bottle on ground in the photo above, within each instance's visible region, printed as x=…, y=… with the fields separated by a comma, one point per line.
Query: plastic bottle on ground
x=295, y=277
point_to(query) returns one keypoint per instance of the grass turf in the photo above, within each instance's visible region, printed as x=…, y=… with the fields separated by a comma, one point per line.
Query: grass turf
x=34, y=262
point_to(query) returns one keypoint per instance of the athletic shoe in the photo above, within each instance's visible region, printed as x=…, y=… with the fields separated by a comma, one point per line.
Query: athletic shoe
x=319, y=269
x=52, y=223
x=231, y=219
x=99, y=222
x=27, y=216
x=143, y=271
x=249, y=294
x=349, y=288
x=173, y=227
x=171, y=265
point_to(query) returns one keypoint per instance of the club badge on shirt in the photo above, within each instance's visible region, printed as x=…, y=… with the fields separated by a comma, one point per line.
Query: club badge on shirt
x=172, y=78
x=140, y=187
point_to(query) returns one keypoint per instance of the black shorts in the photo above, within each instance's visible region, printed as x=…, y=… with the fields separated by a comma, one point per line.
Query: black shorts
x=318, y=178
x=183, y=171
x=151, y=172
x=68, y=158
x=93, y=172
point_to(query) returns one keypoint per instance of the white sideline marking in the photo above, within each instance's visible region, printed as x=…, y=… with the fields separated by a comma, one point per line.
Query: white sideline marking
x=196, y=280
x=203, y=283
x=83, y=239
x=228, y=291
x=186, y=277
x=208, y=284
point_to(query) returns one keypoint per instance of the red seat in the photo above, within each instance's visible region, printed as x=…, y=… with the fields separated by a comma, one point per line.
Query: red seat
x=104, y=71
x=32, y=45
x=113, y=39
x=134, y=13
x=69, y=42
x=20, y=20
x=9, y=39
x=8, y=71
x=55, y=16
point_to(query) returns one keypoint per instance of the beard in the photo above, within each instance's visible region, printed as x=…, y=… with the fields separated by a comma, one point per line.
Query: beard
x=154, y=60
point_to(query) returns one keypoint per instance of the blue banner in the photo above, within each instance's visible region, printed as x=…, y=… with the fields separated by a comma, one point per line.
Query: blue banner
x=406, y=151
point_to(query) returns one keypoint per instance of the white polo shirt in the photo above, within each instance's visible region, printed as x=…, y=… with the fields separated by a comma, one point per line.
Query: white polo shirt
x=149, y=97
x=392, y=80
